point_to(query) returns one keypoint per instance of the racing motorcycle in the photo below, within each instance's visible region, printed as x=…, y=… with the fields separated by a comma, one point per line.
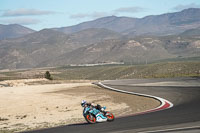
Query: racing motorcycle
x=93, y=115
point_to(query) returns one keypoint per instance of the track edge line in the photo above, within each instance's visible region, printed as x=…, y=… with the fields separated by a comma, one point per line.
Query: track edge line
x=165, y=104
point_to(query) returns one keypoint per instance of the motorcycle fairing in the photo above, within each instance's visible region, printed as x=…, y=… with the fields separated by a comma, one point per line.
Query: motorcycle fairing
x=100, y=117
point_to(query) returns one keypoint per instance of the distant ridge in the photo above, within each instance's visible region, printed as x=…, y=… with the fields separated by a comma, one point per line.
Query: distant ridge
x=164, y=24
x=13, y=31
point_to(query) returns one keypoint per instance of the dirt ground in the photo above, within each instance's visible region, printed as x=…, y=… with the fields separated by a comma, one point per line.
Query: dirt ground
x=31, y=104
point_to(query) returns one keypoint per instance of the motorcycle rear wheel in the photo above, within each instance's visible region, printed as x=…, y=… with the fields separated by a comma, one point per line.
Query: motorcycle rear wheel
x=110, y=116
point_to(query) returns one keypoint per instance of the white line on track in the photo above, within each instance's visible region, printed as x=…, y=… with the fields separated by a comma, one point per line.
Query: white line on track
x=172, y=129
x=161, y=107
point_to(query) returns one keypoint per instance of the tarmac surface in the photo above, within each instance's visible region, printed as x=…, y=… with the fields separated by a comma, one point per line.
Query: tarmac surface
x=183, y=117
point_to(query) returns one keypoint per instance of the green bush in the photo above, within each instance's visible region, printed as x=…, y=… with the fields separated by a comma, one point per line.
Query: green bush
x=47, y=75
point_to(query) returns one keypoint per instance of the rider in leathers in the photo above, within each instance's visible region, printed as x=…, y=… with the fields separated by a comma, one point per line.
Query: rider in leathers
x=91, y=105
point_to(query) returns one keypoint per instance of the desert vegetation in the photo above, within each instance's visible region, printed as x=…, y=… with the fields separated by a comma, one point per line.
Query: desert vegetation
x=156, y=70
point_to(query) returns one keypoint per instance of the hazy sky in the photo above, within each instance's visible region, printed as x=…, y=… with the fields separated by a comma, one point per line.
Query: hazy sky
x=39, y=14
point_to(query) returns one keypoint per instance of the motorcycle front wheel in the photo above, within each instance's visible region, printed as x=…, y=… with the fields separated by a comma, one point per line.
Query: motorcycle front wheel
x=90, y=118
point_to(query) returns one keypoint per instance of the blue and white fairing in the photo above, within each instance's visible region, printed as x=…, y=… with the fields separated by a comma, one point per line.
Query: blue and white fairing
x=99, y=115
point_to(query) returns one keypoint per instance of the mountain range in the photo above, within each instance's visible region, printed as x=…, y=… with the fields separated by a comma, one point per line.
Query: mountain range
x=108, y=39
x=165, y=24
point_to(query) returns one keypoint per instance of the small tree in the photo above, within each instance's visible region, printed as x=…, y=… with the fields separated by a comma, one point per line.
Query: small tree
x=47, y=75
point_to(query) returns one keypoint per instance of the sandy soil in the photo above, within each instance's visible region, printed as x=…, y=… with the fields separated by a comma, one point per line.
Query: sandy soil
x=24, y=106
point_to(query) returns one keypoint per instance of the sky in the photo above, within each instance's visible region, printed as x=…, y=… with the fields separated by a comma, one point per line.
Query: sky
x=40, y=14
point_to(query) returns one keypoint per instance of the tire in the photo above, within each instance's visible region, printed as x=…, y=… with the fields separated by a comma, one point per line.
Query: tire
x=90, y=118
x=110, y=116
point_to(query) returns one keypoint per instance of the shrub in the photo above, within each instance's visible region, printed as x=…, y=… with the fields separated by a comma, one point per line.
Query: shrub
x=47, y=75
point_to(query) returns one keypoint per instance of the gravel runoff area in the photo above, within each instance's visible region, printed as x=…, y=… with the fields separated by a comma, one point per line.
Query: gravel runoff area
x=24, y=106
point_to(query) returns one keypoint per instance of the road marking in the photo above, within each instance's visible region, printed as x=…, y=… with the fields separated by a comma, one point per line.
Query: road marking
x=165, y=104
x=172, y=129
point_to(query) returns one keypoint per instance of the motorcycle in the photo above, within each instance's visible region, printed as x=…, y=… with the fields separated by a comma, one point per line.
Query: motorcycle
x=93, y=115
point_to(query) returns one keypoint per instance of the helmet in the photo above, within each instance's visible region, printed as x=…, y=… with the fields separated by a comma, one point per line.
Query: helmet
x=83, y=103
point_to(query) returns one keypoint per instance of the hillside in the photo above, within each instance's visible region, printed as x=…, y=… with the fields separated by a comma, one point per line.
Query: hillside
x=109, y=39
x=13, y=31
x=114, y=50
x=52, y=48
x=117, y=24
x=191, y=32
x=164, y=24
x=111, y=72
x=94, y=35
x=35, y=48
x=137, y=50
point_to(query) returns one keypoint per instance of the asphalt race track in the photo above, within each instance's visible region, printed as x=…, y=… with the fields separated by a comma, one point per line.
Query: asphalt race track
x=183, y=117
